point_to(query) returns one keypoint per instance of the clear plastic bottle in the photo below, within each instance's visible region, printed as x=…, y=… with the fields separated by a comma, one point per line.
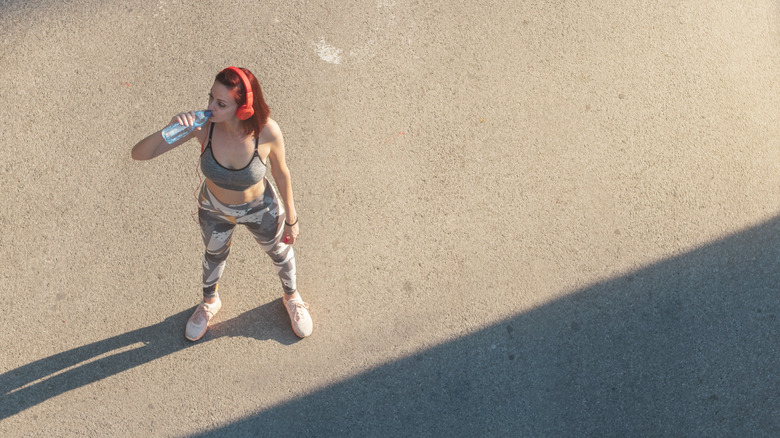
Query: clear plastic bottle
x=175, y=131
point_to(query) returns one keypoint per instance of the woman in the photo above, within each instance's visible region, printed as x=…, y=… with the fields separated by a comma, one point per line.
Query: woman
x=237, y=144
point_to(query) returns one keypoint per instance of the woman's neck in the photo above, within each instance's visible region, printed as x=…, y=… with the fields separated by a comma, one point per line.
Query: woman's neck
x=232, y=128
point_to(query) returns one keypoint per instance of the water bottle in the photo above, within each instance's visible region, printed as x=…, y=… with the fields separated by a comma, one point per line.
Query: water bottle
x=175, y=131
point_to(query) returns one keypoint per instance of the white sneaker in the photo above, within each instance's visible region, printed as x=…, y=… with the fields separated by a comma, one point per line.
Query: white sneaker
x=199, y=321
x=300, y=319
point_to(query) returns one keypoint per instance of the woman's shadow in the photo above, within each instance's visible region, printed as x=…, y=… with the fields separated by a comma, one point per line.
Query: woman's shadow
x=36, y=382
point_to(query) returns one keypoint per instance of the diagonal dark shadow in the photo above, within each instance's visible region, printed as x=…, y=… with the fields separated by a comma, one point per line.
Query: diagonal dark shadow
x=34, y=383
x=686, y=347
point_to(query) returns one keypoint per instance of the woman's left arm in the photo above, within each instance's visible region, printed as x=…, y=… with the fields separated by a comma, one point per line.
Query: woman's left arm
x=281, y=174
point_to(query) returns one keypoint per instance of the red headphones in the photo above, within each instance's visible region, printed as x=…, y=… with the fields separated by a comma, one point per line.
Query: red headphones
x=246, y=110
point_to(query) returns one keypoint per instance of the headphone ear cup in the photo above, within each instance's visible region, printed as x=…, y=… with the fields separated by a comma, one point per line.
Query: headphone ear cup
x=246, y=110
x=244, y=113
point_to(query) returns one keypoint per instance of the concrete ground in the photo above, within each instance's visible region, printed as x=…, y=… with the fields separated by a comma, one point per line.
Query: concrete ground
x=536, y=218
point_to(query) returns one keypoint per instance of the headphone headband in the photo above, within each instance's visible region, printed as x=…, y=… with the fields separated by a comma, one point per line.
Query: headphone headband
x=246, y=110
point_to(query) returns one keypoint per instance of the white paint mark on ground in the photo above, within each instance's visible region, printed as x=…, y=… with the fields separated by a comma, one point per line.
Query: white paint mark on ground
x=327, y=52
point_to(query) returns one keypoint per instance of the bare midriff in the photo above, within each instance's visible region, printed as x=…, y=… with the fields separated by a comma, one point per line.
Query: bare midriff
x=233, y=197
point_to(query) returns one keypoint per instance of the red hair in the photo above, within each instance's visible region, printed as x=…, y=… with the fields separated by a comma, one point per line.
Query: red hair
x=233, y=82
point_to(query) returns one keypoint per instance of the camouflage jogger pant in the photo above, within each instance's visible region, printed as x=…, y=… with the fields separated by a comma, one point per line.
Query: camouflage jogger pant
x=264, y=217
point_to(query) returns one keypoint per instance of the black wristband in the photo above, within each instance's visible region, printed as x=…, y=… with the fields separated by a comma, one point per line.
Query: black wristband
x=289, y=225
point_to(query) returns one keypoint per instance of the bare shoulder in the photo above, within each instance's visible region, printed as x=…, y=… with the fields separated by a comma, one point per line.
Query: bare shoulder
x=271, y=133
x=202, y=133
x=273, y=128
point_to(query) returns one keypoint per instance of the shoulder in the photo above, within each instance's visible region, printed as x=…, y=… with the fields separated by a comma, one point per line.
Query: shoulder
x=272, y=128
x=203, y=133
x=271, y=132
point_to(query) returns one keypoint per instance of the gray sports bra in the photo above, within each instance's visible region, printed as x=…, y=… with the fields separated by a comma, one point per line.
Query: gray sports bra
x=231, y=179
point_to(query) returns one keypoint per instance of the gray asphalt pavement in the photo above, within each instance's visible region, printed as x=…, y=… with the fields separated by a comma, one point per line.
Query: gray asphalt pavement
x=525, y=218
